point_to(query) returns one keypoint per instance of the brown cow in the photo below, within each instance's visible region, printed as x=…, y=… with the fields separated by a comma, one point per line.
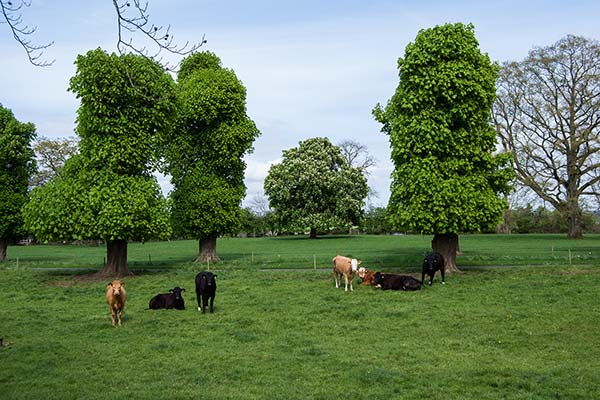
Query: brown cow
x=346, y=267
x=367, y=277
x=115, y=297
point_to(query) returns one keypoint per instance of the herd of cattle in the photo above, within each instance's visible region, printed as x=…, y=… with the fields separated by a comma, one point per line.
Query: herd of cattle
x=343, y=267
x=348, y=267
x=206, y=289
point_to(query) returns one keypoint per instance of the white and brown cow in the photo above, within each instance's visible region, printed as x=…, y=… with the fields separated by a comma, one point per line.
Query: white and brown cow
x=346, y=267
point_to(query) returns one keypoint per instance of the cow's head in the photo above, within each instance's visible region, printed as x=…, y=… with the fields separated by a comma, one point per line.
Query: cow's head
x=115, y=286
x=378, y=278
x=208, y=278
x=433, y=262
x=362, y=272
x=355, y=263
x=177, y=290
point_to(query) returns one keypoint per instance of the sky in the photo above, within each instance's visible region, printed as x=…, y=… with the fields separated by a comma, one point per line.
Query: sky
x=312, y=68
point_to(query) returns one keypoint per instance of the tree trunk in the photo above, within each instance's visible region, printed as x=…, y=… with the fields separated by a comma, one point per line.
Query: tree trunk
x=574, y=220
x=116, y=259
x=3, y=247
x=313, y=233
x=208, y=249
x=447, y=245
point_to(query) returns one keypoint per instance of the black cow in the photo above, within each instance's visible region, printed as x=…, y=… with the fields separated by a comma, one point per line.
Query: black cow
x=206, y=288
x=433, y=262
x=173, y=299
x=396, y=282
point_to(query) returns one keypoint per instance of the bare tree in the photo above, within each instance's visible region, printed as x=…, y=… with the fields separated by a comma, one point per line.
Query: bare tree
x=134, y=29
x=51, y=156
x=260, y=205
x=547, y=113
x=357, y=155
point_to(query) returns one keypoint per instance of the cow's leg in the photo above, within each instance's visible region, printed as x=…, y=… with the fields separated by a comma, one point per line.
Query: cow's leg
x=443, y=279
x=212, y=299
x=199, y=301
x=422, y=277
x=120, y=316
x=204, y=303
x=346, y=282
x=431, y=278
x=112, y=316
x=337, y=280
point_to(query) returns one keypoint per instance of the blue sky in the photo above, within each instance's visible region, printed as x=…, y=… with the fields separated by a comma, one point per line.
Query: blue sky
x=311, y=68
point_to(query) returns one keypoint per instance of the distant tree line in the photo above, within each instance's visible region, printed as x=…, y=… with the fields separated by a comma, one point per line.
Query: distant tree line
x=375, y=221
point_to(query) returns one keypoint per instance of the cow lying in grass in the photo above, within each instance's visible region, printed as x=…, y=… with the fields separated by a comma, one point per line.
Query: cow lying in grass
x=346, y=267
x=115, y=297
x=367, y=277
x=433, y=262
x=171, y=300
x=396, y=282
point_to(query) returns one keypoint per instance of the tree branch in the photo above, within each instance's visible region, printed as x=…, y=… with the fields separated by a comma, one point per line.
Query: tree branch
x=133, y=17
x=13, y=17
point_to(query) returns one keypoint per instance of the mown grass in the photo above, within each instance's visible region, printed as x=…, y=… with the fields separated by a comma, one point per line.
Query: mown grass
x=490, y=333
x=400, y=253
x=519, y=333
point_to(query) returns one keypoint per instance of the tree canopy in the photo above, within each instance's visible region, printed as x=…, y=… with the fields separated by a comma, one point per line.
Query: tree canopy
x=547, y=114
x=314, y=187
x=108, y=191
x=446, y=179
x=205, y=152
x=17, y=164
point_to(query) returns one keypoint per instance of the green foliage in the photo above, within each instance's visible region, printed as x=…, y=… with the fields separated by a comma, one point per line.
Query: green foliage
x=205, y=151
x=446, y=177
x=314, y=187
x=541, y=220
x=17, y=164
x=196, y=61
x=375, y=221
x=108, y=191
x=127, y=103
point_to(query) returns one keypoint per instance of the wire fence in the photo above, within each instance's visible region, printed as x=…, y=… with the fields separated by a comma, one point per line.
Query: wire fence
x=409, y=259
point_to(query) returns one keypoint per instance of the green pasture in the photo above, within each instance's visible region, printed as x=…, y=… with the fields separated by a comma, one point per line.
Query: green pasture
x=381, y=252
x=529, y=330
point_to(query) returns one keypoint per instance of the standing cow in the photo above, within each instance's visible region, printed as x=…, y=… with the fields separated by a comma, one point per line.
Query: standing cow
x=206, y=290
x=346, y=267
x=433, y=262
x=115, y=297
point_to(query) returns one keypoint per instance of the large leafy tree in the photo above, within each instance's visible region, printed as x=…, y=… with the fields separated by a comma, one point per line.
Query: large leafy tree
x=205, y=153
x=548, y=115
x=17, y=164
x=447, y=179
x=315, y=187
x=108, y=191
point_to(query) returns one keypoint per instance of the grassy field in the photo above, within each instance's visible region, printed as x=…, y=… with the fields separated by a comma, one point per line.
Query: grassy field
x=400, y=253
x=490, y=333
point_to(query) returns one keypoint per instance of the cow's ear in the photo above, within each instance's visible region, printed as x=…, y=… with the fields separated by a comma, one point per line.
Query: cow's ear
x=215, y=275
x=122, y=283
x=182, y=289
x=171, y=290
x=109, y=284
